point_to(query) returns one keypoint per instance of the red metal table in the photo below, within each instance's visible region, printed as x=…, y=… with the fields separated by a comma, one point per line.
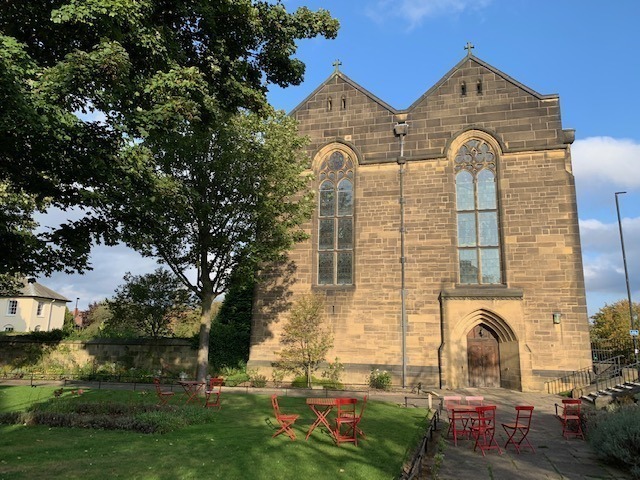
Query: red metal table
x=321, y=407
x=191, y=389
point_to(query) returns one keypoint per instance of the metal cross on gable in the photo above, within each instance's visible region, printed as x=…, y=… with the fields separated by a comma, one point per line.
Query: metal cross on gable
x=336, y=65
x=468, y=47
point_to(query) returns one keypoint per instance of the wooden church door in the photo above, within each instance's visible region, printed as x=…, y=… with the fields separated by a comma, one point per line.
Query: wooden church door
x=483, y=358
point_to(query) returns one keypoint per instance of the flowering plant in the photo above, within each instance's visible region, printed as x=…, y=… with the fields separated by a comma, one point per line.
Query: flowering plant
x=380, y=380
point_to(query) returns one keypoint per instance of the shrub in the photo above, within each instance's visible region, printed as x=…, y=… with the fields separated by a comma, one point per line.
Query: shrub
x=380, y=380
x=138, y=417
x=615, y=436
x=277, y=375
x=333, y=375
x=301, y=381
x=257, y=380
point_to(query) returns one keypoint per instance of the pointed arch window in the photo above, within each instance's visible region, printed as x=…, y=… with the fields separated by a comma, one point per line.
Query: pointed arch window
x=335, y=220
x=477, y=213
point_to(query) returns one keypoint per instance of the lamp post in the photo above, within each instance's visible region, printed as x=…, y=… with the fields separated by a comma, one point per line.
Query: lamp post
x=626, y=277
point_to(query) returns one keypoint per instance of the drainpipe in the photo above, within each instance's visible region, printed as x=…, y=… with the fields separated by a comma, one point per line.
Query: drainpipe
x=400, y=130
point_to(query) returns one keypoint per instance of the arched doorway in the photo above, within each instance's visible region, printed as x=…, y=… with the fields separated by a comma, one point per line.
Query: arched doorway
x=483, y=357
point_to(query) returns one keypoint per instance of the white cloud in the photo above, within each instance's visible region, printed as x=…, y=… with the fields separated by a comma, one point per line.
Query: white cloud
x=604, y=273
x=415, y=11
x=109, y=266
x=599, y=160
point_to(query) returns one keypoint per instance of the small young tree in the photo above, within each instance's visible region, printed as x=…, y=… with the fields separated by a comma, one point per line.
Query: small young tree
x=305, y=341
x=147, y=303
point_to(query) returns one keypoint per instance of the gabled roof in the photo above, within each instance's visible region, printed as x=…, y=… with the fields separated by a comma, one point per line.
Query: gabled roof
x=356, y=86
x=32, y=288
x=338, y=74
x=492, y=69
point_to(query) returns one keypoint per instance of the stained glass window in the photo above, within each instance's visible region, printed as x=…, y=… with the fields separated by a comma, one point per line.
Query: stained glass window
x=335, y=220
x=477, y=211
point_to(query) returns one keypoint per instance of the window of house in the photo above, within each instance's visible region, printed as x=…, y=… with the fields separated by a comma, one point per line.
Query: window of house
x=12, y=307
x=8, y=328
x=335, y=220
x=477, y=213
x=36, y=328
x=40, y=312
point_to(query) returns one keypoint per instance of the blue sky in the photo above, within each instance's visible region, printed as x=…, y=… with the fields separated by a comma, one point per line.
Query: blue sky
x=586, y=51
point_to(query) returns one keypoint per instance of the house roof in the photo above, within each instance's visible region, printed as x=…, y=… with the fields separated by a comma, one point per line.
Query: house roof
x=338, y=74
x=31, y=288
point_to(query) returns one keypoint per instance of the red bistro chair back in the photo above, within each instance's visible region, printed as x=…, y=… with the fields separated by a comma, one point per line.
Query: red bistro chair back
x=163, y=394
x=484, y=429
x=571, y=418
x=213, y=393
x=518, y=430
x=284, y=420
x=347, y=422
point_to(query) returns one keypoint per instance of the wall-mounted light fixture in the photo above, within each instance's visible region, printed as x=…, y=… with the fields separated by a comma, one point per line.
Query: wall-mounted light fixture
x=556, y=318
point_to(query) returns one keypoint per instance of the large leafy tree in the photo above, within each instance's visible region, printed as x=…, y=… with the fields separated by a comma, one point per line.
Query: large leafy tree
x=213, y=205
x=612, y=322
x=139, y=70
x=145, y=304
x=173, y=82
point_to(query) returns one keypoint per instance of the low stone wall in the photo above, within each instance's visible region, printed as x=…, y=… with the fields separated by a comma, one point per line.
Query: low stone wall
x=170, y=356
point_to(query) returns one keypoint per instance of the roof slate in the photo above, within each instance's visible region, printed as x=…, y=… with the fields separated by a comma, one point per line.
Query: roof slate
x=35, y=289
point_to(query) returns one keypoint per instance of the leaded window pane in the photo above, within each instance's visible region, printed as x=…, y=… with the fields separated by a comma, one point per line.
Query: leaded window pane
x=335, y=219
x=466, y=230
x=345, y=268
x=477, y=205
x=468, y=266
x=490, y=262
x=488, y=228
x=464, y=191
x=345, y=233
x=325, y=268
x=12, y=307
x=486, y=190
x=345, y=198
x=326, y=234
x=336, y=161
x=327, y=199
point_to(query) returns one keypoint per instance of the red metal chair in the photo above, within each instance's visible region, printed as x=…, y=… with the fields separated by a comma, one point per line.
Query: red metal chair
x=285, y=420
x=518, y=430
x=347, y=429
x=450, y=402
x=484, y=429
x=163, y=395
x=571, y=418
x=213, y=393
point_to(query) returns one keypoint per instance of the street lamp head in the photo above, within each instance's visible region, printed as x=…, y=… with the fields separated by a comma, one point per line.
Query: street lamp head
x=620, y=193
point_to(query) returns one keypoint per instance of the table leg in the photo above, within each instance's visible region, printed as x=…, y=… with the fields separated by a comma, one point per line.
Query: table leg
x=321, y=418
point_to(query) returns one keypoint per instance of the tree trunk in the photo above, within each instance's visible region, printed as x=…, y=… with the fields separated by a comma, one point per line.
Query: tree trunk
x=205, y=333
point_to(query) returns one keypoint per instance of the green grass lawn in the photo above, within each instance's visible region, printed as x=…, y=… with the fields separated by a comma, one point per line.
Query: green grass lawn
x=234, y=443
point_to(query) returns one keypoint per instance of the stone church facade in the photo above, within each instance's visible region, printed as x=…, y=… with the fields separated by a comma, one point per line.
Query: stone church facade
x=445, y=239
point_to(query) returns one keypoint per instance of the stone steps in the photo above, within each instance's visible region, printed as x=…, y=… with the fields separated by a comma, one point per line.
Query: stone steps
x=601, y=398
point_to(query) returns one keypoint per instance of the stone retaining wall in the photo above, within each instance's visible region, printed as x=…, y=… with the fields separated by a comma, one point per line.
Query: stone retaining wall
x=171, y=356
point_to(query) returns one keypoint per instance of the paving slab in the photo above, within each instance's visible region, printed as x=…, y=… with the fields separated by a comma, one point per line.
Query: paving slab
x=555, y=457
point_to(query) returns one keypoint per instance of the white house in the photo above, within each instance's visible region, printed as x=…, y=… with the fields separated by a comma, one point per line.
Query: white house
x=35, y=308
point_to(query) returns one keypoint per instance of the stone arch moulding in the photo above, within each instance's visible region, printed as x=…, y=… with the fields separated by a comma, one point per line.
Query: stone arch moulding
x=495, y=322
x=343, y=146
x=459, y=138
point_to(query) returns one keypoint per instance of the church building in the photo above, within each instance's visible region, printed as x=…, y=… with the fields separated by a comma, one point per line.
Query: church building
x=445, y=238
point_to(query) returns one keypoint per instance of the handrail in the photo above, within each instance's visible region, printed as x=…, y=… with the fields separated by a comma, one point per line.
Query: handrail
x=415, y=470
x=614, y=374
